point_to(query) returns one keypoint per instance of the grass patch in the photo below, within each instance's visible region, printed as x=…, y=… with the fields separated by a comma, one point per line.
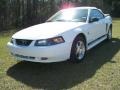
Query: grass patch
x=100, y=70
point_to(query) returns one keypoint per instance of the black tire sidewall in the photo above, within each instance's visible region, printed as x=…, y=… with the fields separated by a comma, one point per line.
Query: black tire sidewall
x=110, y=29
x=73, y=56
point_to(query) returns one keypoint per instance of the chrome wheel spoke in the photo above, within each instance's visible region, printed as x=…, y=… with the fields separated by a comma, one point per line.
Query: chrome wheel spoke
x=80, y=50
x=77, y=49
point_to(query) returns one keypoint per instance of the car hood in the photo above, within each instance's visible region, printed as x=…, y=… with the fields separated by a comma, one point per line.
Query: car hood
x=46, y=30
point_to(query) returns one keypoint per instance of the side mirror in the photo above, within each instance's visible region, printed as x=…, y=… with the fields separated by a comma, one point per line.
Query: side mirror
x=93, y=19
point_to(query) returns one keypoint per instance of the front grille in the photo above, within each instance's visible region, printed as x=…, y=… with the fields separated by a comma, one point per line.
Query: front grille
x=23, y=42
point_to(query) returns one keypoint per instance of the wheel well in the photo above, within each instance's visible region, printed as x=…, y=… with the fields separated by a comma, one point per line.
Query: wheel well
x=82, y=35
x=79, y=35
x=111, y=26
x=108, y=27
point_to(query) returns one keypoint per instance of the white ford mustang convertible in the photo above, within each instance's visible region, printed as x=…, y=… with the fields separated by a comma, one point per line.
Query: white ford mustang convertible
x=67, y=35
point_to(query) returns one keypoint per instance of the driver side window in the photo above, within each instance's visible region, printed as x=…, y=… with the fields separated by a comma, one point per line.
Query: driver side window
x=96, y=14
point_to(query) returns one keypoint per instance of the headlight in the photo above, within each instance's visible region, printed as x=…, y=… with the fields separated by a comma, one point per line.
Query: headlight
x=49, y=42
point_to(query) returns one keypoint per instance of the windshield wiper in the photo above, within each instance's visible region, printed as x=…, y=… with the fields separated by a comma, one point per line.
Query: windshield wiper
x=74, y=20
x=49, y=21
x=60, y=20
x=63, y=20
x=56, y=20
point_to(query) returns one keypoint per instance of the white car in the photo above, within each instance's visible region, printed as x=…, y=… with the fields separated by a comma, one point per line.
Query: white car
x=67, y=35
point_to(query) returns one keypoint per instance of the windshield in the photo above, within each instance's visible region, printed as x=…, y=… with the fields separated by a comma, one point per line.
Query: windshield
x=74, y=15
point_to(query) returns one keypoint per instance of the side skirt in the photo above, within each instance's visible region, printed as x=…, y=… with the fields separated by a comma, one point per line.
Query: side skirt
x=96, y=42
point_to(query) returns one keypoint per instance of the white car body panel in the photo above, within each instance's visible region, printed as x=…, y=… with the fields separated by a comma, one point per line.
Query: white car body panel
x=48, y=30
x=54, y=54
x=94, y=33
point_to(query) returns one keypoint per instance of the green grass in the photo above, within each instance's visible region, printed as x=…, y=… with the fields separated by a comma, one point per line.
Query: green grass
x=99, y=71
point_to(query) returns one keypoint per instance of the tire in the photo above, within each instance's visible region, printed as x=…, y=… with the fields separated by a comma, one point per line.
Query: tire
x=109, y=35
x=78, y=50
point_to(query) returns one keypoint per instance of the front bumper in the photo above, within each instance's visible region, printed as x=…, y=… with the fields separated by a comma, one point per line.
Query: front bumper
x=55, y=53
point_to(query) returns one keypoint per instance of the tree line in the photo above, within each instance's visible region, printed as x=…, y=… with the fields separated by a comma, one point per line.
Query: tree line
x=24, y=13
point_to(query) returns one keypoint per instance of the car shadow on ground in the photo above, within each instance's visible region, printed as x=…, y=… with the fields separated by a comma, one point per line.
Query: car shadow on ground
x=64, y=75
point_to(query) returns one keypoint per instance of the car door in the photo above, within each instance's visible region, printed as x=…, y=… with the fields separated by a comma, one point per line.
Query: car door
x=97, y=24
